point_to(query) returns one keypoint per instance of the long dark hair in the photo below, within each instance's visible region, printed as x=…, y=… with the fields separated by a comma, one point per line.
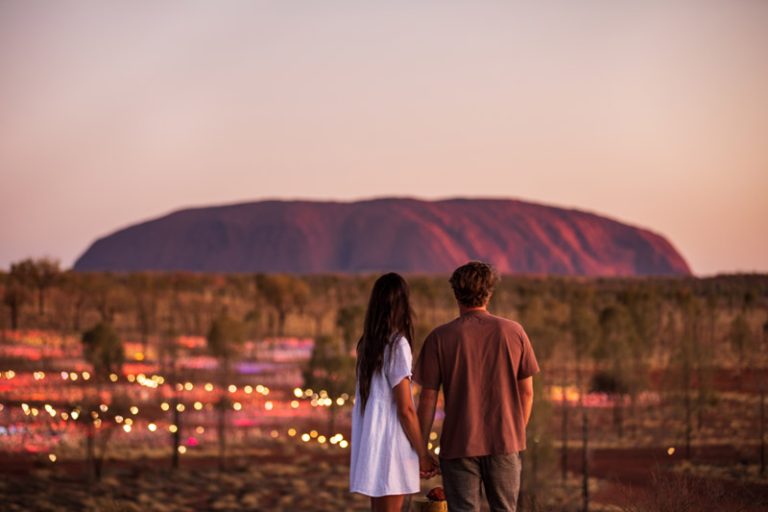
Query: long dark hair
x=389, y=312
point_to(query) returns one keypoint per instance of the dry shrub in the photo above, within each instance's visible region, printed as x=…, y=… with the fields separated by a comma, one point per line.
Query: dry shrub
x=681, y=492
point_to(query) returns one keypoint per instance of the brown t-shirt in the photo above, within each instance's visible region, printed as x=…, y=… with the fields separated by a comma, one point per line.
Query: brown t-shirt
x=478, y=359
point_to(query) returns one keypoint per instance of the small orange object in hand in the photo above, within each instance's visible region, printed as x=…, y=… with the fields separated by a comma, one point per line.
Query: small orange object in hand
x=436, y=494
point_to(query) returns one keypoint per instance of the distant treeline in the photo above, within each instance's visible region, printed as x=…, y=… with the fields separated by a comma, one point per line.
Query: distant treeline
x=144, y=306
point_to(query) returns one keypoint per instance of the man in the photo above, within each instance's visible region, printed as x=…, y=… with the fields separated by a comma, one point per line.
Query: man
x=485, y=365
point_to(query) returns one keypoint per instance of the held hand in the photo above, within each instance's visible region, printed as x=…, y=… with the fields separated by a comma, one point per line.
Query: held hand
x=428, y=466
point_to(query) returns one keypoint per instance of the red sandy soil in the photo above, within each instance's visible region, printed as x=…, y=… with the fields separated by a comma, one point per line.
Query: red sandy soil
x=274, y=477
x=630, y=474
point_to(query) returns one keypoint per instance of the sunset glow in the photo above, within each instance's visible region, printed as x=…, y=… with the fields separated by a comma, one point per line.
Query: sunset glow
x=654, y=113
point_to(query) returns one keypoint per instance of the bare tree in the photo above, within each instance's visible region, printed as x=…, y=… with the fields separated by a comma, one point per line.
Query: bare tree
x=225, y=340
x=40, y=274
x=762, y=385
x=285, y=293
x=740, y=336
x=15, y=295
x=144, y=288
x=612, y=352
x=331, y=370
x=104, y=351
x=349, y=320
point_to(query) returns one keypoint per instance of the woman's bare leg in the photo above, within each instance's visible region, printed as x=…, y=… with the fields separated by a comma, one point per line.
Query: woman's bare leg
x=387, y=503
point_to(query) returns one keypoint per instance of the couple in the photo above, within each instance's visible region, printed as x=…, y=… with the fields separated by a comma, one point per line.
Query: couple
x=485, y=365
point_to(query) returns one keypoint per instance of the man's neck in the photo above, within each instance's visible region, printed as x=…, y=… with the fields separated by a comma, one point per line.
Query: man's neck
x=464, y=310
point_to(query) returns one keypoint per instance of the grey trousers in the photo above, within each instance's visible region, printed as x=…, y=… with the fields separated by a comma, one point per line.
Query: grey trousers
x=499, y=474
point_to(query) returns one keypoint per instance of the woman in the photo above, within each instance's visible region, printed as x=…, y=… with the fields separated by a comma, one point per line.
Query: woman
x=388, y=450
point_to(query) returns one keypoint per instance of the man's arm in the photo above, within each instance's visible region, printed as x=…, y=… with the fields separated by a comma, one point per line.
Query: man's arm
x=525, y=388
x=409, y=421
x=427, y=406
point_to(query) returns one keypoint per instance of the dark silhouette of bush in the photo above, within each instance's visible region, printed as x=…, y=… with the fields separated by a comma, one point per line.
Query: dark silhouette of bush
x=605, y=382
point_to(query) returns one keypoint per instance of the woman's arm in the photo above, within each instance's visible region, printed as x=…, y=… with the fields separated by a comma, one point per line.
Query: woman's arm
x=406, y=413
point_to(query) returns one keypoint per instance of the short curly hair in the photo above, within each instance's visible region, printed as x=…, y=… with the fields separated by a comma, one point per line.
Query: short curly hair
x=473, y=283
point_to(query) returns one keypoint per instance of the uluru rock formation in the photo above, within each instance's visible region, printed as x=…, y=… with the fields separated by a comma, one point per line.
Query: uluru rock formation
x=405, y=235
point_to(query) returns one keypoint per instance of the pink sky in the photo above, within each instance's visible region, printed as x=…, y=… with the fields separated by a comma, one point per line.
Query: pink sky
x=654, y=113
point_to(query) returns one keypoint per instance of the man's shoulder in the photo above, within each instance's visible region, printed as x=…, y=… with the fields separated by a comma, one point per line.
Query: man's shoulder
x=507, y=324
x=450, y=328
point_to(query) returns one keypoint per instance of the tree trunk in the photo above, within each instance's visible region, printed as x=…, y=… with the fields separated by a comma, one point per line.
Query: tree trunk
x=535, y=473
x=332, y=419
x=98, y=463
x=584, y=459
x=14, y=316
x=281, y=317
x=78, y=313
x=564, y=432
x=41, y=300
x=584, y=436
x=618, y=414
x=762, y=430
x=699, y=396
x=97, y=459
x=222, y=413
x=176, y=436
x=687, y=405
x=90, y=449
x=521, y=494
x=222, y=426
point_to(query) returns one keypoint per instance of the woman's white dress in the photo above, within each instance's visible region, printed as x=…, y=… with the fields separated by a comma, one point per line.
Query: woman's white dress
x=383, y=462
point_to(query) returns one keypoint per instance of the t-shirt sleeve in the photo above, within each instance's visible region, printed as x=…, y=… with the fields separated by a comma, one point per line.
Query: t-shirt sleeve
x=399, y=364
x=528, y=364
x=427, y=370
